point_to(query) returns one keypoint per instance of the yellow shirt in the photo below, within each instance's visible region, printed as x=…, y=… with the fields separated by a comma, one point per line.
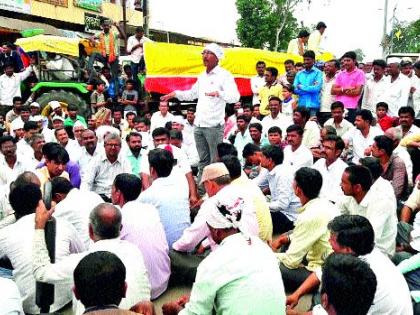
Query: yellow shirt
x=314, y=41
x=310, y=237
x=265, y=93
x=44, y=176
x=262, y=211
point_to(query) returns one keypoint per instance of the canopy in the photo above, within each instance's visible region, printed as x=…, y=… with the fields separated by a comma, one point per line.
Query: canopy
x=176, y=67
x=48, y=43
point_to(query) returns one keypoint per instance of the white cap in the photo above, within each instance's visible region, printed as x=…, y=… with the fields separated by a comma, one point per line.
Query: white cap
x=179, y=120
x=35, y=104
x=55, y=117
x=215, y=49
x=78, y=123
x=16, y=124
x=36, y=118
x=54, y=105
x=393, y=60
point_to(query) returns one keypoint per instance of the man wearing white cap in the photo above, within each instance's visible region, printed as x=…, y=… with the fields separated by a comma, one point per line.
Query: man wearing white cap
x=16, y=129
x=214, y=88
x=56, y=109
x=242, y=268
x=399, y=89
x=35, y=109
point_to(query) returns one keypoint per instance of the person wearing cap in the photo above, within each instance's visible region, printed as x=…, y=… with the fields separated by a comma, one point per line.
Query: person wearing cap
x=109, y=50
x=135, y=50
x=56, y=109
x=406, y=66
x=57, y=122
x=297, y=45
x=43, y=128
x=315, y=38
x=161, y=117
x=398, y=92
x=35, y=109
x=349, y=84
x=242, y=267
x=214, y=88
x=16, y=129
x=216, y=181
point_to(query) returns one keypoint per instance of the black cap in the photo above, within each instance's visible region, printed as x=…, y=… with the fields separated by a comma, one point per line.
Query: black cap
x=321, y=25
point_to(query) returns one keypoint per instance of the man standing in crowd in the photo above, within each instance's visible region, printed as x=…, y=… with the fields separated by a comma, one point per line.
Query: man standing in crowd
x=349, y=84
x=135, y=49
x=399, y=88
x=213, y=89
x=315, y=38
x=269, y=90
x=331, y=69
x=376, y=86
x=257, y=82
x=308, y=84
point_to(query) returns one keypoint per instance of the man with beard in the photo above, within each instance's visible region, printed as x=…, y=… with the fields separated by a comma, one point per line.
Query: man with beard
x=89, y=150
x=133, y=154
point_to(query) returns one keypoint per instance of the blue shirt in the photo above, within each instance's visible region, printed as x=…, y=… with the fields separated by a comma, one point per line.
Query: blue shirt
x=307, y=86
x=172, y=204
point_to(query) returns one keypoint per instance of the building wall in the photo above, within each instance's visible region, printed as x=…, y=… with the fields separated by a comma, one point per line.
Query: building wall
x=76, y=15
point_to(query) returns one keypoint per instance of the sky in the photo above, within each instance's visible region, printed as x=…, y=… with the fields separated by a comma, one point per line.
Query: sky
x=351, y=24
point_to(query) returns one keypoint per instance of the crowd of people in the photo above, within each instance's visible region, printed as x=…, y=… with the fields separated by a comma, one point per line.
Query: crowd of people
x=314, y=187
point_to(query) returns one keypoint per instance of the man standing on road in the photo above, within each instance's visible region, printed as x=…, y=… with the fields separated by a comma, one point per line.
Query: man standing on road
x=214, y=88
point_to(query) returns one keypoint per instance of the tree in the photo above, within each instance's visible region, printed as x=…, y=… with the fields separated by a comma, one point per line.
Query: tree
x=360, y=54
x=266, y=23
x=404, y=38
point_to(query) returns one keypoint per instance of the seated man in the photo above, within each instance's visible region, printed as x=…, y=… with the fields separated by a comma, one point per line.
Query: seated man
x=15, y=244
x=104, y=231
x=166, y=195
x=296, y=155
x=242, y=268
x=99, y=283
x=284, y=204
x=309, y=238
x=373, y=201
x=141, y=226
x=353, y=235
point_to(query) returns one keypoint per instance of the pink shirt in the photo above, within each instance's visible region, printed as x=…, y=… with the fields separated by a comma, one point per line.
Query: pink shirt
x=350, y=79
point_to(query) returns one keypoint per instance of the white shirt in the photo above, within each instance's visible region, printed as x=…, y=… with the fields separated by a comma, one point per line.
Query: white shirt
x=342, y=128
x=257, y=83
x=158, y=120
x=361, y=143
x=210, y=111
x=331, y=179
x=413, y=130
x=101, y=173
x=397, y=94
x=193, y=235
x=138, y=53
x=141, y=227
x=76, y=208
x=302, y=157
x=392, y=296
x=375, y=92
x=85, y=159
x=10, y=86
x=74, y=150
x=8, y=175
x=282, y=121
x=379, y=206
x=415, y=82
x=403, y=154
x=24, y=149
x=238, y=270
x=326, y=97
x=16, y=244
x=48, y=135
x=311, y=135
x=61, y=63
x=190, y=148
x=10, y=300
x=138, y=286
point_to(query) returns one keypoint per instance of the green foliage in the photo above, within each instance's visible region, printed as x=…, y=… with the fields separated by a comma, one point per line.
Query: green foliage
x=405, y=37
x=261, y=20
x=360, y=54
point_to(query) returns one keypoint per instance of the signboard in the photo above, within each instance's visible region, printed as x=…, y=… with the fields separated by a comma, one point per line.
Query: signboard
x=93, y=5
x=21, y=6
x=93, y=22
x=61, y=3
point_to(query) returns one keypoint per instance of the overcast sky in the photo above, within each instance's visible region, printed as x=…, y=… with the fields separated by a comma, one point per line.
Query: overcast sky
x=351, y=23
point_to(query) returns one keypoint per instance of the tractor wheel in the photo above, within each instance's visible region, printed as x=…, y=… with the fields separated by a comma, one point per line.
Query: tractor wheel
x=64, y=97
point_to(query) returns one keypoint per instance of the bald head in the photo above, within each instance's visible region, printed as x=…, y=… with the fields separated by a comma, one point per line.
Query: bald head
x=27, y=178
x=105, y=221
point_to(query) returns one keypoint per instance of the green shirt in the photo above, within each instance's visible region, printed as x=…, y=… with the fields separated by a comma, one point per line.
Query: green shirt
x=70, y=122
x=134, y=162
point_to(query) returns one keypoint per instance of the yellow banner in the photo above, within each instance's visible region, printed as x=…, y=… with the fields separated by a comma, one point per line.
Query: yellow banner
x=54, y=44
x=163, y=59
